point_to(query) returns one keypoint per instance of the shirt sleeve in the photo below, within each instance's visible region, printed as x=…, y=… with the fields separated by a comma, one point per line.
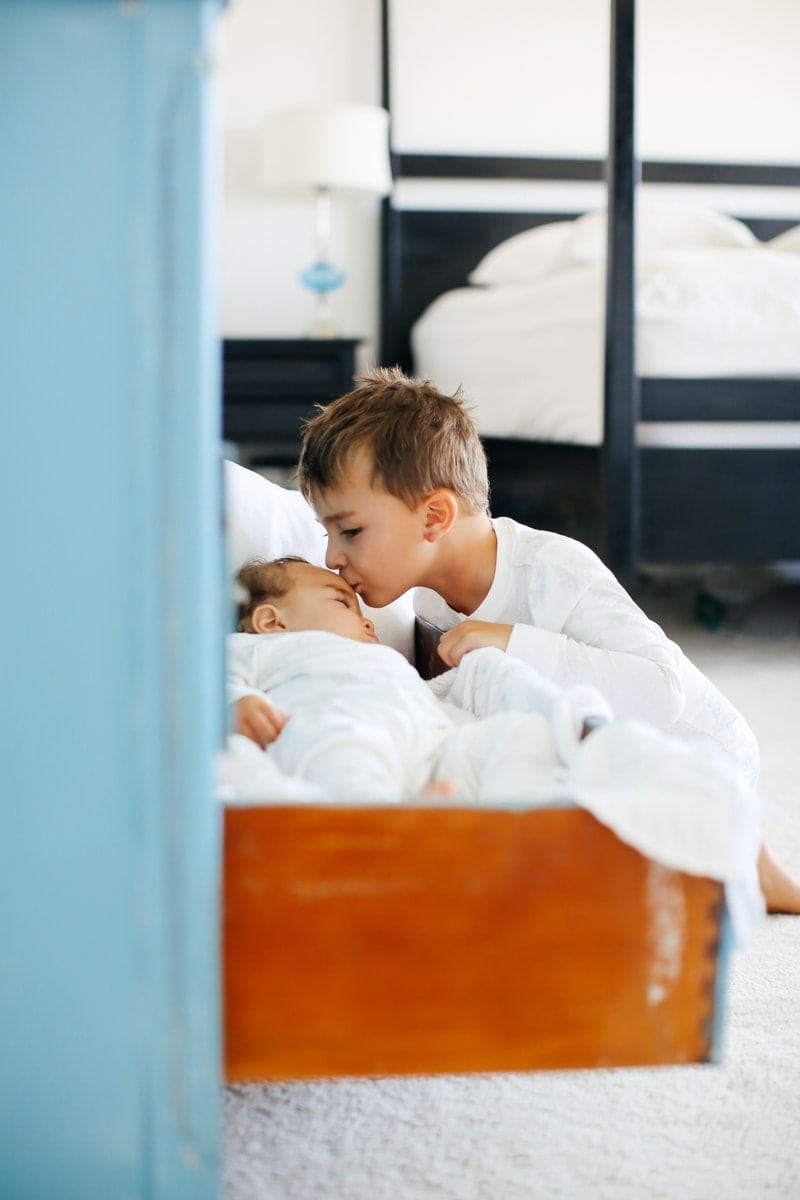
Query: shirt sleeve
x=607, y=641
x=239, y=672
x=237, y=691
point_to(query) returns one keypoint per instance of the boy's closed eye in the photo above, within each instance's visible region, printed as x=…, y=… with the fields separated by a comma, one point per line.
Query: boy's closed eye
x=350, y=533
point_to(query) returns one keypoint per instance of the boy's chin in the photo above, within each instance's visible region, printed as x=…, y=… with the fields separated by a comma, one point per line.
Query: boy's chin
x=374, y=600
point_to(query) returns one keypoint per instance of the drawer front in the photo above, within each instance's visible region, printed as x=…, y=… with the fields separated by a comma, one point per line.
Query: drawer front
x=281, y=366
x=272, y=387
x=247, y=377
x=266, y=422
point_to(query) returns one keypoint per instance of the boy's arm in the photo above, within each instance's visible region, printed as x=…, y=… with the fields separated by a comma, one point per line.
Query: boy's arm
x=607, y=642
x=612, y=645
x=472, y=635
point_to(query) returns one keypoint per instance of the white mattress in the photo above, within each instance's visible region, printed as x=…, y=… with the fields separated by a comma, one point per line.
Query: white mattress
x=529, y=357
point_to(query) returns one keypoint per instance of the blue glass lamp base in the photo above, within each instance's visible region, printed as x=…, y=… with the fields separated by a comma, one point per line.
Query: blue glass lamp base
x=322, y=278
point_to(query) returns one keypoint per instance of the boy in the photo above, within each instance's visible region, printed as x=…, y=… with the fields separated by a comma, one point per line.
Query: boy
x=397, y=474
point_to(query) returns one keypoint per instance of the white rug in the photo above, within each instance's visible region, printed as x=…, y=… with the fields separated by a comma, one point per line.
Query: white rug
x=724, y=1132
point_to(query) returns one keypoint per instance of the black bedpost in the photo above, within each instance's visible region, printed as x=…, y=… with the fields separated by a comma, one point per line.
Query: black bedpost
x=620, y=459
x=386, y=352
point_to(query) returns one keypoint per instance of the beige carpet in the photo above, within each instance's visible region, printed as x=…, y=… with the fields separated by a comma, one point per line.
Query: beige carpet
x=724, y=1132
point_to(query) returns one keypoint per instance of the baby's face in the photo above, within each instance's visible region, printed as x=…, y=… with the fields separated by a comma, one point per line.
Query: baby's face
x=322, y=600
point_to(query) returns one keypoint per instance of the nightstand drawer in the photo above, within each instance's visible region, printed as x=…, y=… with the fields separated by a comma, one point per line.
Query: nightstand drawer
x=252, y=376
x=265, y=421
x=271, y=385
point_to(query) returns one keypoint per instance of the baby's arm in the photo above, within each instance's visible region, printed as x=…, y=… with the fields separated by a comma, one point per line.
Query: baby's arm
x=253, y=714
x=490, y=682
x=258, y=719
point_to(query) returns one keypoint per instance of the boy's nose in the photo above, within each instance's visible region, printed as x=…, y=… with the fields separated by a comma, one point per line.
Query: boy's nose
x=334, y=559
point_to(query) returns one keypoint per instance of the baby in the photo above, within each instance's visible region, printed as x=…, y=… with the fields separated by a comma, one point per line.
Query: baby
x=334, y=707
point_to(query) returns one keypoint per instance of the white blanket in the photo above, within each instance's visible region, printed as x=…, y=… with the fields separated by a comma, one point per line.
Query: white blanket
x=684, y=806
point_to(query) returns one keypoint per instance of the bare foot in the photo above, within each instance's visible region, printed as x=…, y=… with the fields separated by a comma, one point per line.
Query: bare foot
x=781, y=890
x=433, y=791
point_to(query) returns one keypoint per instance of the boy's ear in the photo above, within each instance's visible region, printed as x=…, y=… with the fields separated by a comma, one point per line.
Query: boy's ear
x=266, y=618
x=441, y=510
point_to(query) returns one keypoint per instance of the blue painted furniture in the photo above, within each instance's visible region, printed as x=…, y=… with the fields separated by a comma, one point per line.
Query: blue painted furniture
x=110, y=613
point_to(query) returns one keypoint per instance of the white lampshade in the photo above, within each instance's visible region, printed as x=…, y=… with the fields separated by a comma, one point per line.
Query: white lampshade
x=342, y=146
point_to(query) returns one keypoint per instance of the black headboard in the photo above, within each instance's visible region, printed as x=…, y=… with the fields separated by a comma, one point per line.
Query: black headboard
x=426, y=252
x=431, y=252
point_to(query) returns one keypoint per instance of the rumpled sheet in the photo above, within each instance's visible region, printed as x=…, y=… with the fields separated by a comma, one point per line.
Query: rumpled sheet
x=684, y=806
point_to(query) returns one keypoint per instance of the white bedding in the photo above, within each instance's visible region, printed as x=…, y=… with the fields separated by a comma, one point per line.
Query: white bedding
x=685, y=806
x=529, y=355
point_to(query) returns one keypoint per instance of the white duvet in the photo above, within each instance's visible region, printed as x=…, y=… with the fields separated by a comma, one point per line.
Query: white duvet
x=529, y=356
x=684, y=806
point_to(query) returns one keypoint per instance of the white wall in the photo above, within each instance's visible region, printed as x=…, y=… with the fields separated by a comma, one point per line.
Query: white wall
x=719, y=80
x=275, y=54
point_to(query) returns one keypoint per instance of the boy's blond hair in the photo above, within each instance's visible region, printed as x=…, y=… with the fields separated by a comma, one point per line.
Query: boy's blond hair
x=418, y=438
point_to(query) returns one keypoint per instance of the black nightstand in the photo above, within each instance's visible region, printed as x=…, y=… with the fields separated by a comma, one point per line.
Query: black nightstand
x=271, y=385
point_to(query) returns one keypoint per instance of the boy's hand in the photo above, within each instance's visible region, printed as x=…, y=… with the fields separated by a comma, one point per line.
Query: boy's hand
x=471, y=635
x=259, y=720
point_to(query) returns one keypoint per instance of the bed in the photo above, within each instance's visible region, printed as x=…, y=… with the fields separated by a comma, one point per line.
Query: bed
x=425, y=938
x=527, y=332
x=683, y=449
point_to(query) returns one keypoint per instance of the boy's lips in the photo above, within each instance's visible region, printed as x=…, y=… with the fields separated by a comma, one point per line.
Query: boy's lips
x=360, y=589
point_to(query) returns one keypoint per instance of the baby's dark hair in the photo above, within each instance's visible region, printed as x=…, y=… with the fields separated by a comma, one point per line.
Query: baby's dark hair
x=418, y=439
x=262, y=580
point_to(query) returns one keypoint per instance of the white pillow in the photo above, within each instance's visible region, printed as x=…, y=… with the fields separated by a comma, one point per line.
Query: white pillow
x=267, y=521
x=660, y=225
x=787, y=242
x=525, y=256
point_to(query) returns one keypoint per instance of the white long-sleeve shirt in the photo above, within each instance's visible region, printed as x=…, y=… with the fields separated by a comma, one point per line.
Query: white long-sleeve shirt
x=574, y=622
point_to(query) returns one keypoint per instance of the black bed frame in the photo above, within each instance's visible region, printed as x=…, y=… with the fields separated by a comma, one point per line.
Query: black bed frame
x=634, y=505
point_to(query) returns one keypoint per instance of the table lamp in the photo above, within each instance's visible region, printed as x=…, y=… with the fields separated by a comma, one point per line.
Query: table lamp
x=343, y=147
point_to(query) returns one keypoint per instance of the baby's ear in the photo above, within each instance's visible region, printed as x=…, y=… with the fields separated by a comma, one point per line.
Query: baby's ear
x=266, y=618
x=441, y=510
